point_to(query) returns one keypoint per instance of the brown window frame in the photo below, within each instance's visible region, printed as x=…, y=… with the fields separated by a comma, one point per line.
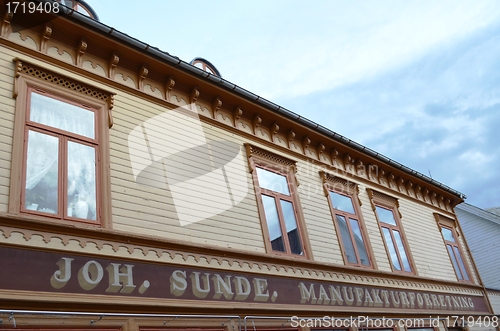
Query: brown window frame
x=450, y=224
x=31, y=79
x=260, y=158
x=351, y=190
x=391, y=204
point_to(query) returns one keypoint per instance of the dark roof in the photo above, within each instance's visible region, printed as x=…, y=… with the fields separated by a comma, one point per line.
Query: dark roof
x=175, y=61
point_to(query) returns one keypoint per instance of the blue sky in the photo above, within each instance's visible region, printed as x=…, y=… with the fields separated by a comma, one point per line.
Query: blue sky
x=417, y=81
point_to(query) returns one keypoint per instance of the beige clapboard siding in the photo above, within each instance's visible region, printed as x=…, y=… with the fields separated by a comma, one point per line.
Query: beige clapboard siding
x=7, y=111
x=318, y=218
x=208, y=226
x=430, y=254
x=238, y=227
x=373, y=231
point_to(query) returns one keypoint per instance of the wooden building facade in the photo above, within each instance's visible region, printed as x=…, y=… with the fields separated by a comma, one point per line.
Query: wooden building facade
x=141, y=192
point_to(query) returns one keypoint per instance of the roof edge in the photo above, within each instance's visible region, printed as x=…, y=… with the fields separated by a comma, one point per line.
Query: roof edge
x=225, y=84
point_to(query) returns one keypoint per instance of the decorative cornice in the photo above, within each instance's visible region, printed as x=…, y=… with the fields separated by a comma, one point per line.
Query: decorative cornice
x=257, y=152
x=30, y=70
x=384, y=199
x=47, y=31
x=169, y=252
x=216, y=105
x=334, y=183
x=82, y=47
x=289, y=134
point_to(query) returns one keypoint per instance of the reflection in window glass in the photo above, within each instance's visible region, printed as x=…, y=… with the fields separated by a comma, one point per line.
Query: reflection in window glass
x=42, y=173
x=346, y=240
x=455, y=262
x=391, y=248
x=61, y=115
x=386, y=216
x=401, y=249
x=291, y=227
x=447, y=234
x=272, y=181
x=360, y=244
x=81, y=181
x=341, y=202
x=461, y=262
x=273, y=223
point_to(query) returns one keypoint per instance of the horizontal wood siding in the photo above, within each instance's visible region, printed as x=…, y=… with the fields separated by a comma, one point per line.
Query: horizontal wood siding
x=482, y=236
x=150, y=207
x=152, y=210
x=373, y=229
x=7, y=111
x=318, y=218
x=425, y=241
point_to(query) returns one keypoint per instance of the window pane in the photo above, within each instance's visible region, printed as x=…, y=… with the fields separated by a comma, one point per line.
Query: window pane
x=447, y=234
x=273, y=223
x=291, y=227
x=391, y=248
x=346, y=240
x=272, y=181
x=386, y=216
x=461, y=262
x=61, y=115
x=360, y=243
x=341, y=202
x=455, y=262
x=42, y=171
x=401, y=249
x=81, y=181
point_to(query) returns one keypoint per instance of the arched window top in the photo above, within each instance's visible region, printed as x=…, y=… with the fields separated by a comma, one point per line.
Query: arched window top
x=80, y=6
x=205, y=65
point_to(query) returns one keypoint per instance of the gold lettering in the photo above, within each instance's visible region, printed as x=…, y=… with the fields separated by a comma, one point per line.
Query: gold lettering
x=242, y=286
x=359, y=296
x=411, y=295
x=307, y=295
x=385, y=295
x=348, y=299
x=441, y=301
x=90, y=275
x=368, y=299
x=260, y=285
x=335, y=295
x=393, y=299
x=405, y=303
x=197, y=290
x=178, y=283
x=323, y=296
x=222, y=287
x=378, y=301
x=428, y=303
x=435, y=300
x=61, y=277
x=119, y=275
x=448, y=300
x=420, y=300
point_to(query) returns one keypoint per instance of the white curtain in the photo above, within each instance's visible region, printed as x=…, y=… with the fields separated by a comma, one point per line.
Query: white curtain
x=42, y=160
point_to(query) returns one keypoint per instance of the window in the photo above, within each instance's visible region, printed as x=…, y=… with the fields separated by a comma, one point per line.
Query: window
x=60, y=164
x=450, y=238
x=60, y=145
x=387, y=213
x=343, y=201
x=274, y=183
